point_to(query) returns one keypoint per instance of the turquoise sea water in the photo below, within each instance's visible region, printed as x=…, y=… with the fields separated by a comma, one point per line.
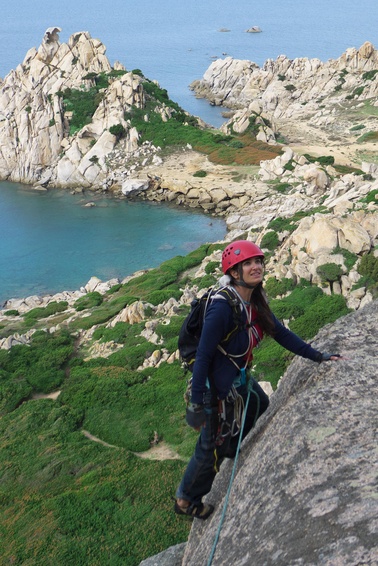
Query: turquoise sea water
x=51, y=242
x=174, y=42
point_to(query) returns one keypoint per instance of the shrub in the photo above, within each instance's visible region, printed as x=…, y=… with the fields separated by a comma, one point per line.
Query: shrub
x=118, y=131
x=282, y=187
x=275, y=287
x=369, y=75
x=358, y=127
x=270, y=241
x=200, y=173
x=289, y=166
x=295, y=304
x=349, y=257
x=323, y=159
x=371, y=197
x=329, y=273
x=270, y=361
x=368, y=267
x=368, y=137
x=236, y=144
x=11, y=312
x=211, y=267
x=88, y=301
x=82, y=104
x=290, y=88
x=324, y=310
x=43, y=312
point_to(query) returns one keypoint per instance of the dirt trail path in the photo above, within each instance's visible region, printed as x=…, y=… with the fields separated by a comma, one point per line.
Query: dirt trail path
x=159, y=452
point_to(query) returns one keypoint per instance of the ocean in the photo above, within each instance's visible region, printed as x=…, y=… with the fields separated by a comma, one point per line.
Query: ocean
x=174, y=42
x=43, y=250
x=51, y=242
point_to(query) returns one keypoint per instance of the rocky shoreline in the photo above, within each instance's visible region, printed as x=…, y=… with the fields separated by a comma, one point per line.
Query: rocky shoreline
x=322, y=114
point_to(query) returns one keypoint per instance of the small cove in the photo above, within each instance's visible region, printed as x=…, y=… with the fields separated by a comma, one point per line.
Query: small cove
x=51, y=241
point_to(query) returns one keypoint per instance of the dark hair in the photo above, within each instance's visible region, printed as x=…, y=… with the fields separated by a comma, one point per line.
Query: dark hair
x=264, y=314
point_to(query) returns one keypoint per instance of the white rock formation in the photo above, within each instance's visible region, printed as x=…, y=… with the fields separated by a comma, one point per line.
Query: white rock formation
x=35, y=123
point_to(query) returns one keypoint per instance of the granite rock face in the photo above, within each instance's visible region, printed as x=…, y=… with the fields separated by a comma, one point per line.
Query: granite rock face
x=305, y=491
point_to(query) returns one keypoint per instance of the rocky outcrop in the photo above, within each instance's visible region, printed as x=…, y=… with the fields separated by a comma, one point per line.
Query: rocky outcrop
x=325, y=95
x=305, y=487
x=235, y=83
x=35, y=123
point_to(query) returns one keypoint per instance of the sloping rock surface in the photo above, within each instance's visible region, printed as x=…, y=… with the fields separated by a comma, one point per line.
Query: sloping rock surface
x=306, y=491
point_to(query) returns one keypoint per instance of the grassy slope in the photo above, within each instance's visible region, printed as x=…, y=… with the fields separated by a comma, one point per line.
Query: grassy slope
x=68, y=500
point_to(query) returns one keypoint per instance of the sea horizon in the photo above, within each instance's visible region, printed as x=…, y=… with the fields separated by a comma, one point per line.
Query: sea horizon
x=173, y=44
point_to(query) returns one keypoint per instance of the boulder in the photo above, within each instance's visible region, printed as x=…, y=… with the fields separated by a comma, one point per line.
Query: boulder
x=305, y=487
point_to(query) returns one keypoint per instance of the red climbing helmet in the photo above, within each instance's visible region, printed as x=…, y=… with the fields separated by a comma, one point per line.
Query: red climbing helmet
x=239, y=251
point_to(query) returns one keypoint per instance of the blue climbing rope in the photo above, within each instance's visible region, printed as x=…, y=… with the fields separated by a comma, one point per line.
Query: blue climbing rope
x=210, y=561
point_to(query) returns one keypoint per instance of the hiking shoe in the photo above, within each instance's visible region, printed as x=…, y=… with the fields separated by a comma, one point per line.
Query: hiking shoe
x=200, y=511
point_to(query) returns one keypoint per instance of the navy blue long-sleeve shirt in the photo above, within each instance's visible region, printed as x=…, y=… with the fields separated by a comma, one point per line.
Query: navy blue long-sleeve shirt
x=211, y=363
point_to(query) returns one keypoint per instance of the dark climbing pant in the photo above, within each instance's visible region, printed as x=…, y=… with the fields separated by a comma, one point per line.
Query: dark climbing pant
x=208, y=456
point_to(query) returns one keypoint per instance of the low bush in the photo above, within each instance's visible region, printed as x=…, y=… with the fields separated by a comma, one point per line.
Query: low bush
x=324, y=310
x=372, y=196
x=200, y=173
x=368, y=267
x=211, y=267
x=270, y=241
x=275, y=287
x=368, y=137
x=270, y=361
x=369, y=75
x=322, y=159
x=358, y=127
x=295, y=304
x=118, y=131
x=88, y=301
x=43, y=312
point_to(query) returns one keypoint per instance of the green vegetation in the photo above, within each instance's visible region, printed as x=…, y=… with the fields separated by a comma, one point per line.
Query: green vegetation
x=83, y=104
x=68, y=499
x=329, y=273
x=369, y=75
x=43, y=312
x=200, y=173
x=322, y=160
x=290, y=224
x=368, y=137
x=371, y=197
x=275, y=287
x=12, y=312
x=368, y=268
x=358, y=127
x=118, y=131
x=181, y=129
x=88, y=301
x=270, y=241
x=282, y=187
x=308, y=309
x=350, y=258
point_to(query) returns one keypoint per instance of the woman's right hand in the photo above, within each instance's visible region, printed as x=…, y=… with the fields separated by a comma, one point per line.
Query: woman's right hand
x=195, y=416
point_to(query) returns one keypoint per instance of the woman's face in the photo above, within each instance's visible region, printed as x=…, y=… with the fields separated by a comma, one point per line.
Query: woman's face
x=252, y=271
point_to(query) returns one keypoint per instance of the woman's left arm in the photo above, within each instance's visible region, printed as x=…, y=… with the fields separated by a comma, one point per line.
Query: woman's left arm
x=292, y=342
